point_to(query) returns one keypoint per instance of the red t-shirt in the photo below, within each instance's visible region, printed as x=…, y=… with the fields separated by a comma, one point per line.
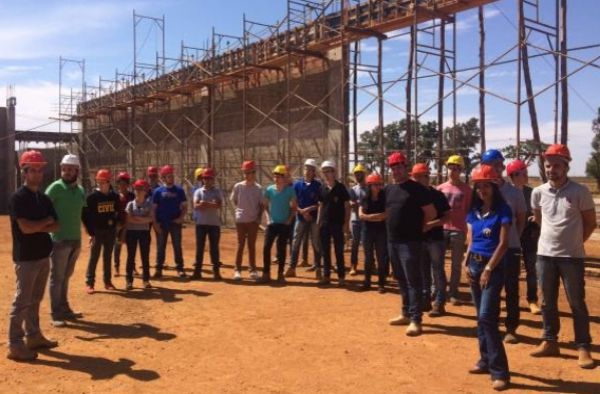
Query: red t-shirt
x=459, y=199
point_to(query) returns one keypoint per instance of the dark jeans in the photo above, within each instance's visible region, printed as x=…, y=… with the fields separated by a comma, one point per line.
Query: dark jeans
x=120, y=237
x=31, y=283
x=487, y=305
x=432, y=270
x=570, y=269
x=512, y=269
x=375, y=242
x=406, y=262
x=214, y=234
x=356, y=229
x=133, y=239
x=281, y=232
x=529, y=248
x=62, y=265
x=174, y=230
x=333, y=232
x=104, y=240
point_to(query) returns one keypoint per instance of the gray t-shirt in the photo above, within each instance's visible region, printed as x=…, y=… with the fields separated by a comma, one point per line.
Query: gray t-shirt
x=208, y=216
x=247, y=200
x=143, y=210
x=516, y=201
x=357, y=193
x=562, y=225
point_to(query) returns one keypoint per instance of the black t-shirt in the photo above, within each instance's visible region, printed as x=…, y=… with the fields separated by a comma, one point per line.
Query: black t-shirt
x=26, y=204
x=441, y=206
x=333, y=203
x=370, y=206
x=101, y=212
x=404, y=204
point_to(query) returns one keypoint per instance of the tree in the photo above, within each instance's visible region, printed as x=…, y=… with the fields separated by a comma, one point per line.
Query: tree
x=592, y=167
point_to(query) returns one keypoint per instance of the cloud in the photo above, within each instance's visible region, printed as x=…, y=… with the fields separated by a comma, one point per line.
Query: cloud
x=36, y=103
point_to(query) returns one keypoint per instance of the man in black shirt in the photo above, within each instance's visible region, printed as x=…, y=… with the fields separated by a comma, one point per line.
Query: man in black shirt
x=408, y=207
x=32, y=217
x=333, y=220
x=434, y=248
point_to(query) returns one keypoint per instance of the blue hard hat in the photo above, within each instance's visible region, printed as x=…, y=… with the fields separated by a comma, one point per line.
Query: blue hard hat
x=491, y=155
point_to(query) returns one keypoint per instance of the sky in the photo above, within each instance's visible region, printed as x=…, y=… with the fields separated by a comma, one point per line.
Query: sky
x=34, y=34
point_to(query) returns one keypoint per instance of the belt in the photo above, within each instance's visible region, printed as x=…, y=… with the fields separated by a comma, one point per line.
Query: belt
x=480, y=258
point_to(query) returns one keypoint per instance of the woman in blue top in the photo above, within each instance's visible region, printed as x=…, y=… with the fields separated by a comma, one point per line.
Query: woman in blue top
x=488, y=221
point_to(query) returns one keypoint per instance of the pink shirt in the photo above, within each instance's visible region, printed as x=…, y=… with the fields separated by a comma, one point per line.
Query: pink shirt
x=459, y=199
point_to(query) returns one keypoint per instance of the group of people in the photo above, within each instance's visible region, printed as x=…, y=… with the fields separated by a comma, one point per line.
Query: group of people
x=407, y=223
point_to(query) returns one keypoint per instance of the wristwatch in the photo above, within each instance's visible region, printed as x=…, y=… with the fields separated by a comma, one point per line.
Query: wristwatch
x=488, y=268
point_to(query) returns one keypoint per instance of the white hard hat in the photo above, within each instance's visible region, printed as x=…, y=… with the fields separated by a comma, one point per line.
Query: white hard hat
x=311, y=163
x=70, y=159
x=328, y=164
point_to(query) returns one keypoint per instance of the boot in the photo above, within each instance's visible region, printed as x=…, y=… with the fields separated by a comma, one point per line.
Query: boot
x=546, y=349
x=39, y=342
x=585, y=359
x=21, y=353
x=500, y=384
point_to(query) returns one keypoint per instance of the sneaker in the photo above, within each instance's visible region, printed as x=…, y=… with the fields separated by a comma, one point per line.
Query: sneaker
x=254, y=275
x=478, y=370
x=534, y=308
x=353, y=271
x=546, y=349
x=89, y=289
x=21, y=353
x=381, y=290
x=58, y=323
x=585, y=359
x=217, y=275
x=197, y=275
x=109, y=286
x=365, y=287
x=237, y=275
x=39, y=342
x=129, y=286
x=157, y=275
x=290, y=272
x=414, y=329
x=181, y=274
x=500, y=384
x=264, y=279
x=341, y=282
x=455, y=301
x=324, y=281
x=511, y=337
x=147, y=285
x=70, y=315
x=399, y=321
x=437, y=310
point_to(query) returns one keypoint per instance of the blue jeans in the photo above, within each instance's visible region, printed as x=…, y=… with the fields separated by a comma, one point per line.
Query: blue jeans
x=406, y=261
x=302, y=231
x=132, y=239
x=214, y=235
x=62, y=265
x=333, y=232
x=356, y=228
x=175, y=230
x=456, y=241
x=433, y=271
x=512, y=269
x=375, y=242
x=570, y=269
x=281, y=232
x=487, y=304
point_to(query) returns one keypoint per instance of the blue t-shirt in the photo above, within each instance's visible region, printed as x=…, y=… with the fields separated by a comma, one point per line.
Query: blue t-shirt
x=485, y=230
x=168, y=201
x=307, y=195
x=279, y=203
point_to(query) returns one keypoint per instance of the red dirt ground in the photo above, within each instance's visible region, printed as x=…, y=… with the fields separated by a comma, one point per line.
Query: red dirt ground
x=208, y=336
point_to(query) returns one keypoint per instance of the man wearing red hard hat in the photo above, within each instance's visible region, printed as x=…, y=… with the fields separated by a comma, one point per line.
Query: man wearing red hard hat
x=32, y=217
x=566, y=213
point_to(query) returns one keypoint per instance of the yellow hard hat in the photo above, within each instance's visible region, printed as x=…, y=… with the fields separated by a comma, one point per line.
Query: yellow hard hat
x=457, y=160
x=280, y=170
x=359, y=168
x=198, y=172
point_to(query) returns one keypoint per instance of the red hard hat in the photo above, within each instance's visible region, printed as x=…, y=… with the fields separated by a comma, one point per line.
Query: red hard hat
x=152, y=171
x=209, y=173
x=558, y=150
x=124, y=176
x=374, y=178
x=103, y=175
x=141, y=184
x=166, y=170
x=515, y=166
x=396, y=158
x=484, y=173
x=249, y=165
x=420, y=169
x=32, y=158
